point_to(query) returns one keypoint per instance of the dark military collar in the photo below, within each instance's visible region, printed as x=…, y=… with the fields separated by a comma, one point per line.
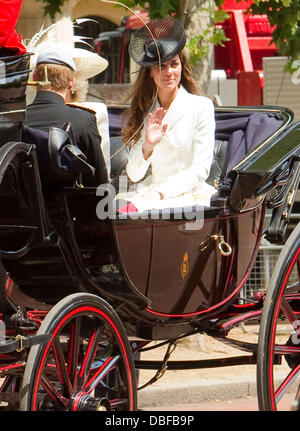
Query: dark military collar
x=48, y=97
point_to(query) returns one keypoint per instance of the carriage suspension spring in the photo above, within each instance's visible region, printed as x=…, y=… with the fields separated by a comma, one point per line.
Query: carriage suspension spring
x=163, y=367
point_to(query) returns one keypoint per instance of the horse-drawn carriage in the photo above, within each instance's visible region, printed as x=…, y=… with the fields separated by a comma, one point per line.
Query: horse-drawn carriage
x=82, y=294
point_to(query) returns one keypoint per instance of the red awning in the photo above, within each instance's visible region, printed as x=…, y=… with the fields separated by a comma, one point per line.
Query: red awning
x=137, y=20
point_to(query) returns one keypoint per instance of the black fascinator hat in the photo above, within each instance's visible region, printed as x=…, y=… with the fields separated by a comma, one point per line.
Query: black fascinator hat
x=158, y=41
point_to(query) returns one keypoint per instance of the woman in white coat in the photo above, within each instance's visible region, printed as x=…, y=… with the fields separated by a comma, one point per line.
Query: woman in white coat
x=170, y=126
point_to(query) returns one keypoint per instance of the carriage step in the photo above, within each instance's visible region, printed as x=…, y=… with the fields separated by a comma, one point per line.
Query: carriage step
x=20, y=343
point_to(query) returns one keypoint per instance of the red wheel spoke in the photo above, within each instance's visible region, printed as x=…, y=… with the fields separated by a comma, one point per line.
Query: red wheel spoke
x=286, y=350
x=74, y=345
x=293, y=289
x=101, y=372
x=118, y=402
x=87, y=359
x=61, y=366
x=89, y=356
x=282, y=389
x=287, y=310
x=296, y=402
x=53, y=392
x=278, y=352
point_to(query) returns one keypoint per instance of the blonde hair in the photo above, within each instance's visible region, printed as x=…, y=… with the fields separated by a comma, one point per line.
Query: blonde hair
x=60, y=76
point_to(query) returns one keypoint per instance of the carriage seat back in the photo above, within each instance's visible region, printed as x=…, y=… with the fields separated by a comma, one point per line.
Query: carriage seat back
x=60, y=160
x=14, y=73
x=237, y=134
x=118, y=156
x=219, y=163
x=10, y=128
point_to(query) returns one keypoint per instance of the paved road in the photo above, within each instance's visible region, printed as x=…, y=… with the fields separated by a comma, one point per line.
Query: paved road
x=240, y=404
x=233, y=405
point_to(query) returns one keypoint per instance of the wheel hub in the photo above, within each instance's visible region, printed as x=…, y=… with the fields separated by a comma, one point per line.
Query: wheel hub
x=84, y=402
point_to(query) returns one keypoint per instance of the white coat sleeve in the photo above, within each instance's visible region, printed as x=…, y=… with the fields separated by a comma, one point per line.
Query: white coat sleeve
x=203, y=147
x=137, y=165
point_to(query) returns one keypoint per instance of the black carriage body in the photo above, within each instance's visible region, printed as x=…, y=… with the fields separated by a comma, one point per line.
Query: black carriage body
x=81, y=293
x=164, y=273
x=155, y=269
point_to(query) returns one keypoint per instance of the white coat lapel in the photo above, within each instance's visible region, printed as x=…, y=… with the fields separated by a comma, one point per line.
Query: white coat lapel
x=177, y=109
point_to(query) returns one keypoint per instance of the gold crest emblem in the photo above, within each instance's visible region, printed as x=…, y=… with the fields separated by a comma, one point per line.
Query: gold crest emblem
x=184, y=265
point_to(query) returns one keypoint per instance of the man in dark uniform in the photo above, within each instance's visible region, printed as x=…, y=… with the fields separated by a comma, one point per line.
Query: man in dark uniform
x=49, y=109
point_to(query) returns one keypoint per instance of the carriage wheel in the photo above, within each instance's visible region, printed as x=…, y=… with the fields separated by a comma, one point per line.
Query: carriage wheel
x=278, y=356
x=88, y=363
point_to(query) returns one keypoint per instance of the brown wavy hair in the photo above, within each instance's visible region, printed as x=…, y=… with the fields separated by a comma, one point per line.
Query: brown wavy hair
x=142, y=98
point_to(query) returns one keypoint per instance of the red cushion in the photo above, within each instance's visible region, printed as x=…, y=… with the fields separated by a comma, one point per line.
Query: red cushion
x=130, y=208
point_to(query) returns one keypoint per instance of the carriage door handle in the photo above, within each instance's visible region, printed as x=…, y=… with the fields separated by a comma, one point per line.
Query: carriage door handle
x=223, y=246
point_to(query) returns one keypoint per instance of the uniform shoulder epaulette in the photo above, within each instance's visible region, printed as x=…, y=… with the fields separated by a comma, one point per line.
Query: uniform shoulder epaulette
x=78, y=105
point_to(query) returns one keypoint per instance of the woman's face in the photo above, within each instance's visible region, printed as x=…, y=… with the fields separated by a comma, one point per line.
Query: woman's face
x=168, y=76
